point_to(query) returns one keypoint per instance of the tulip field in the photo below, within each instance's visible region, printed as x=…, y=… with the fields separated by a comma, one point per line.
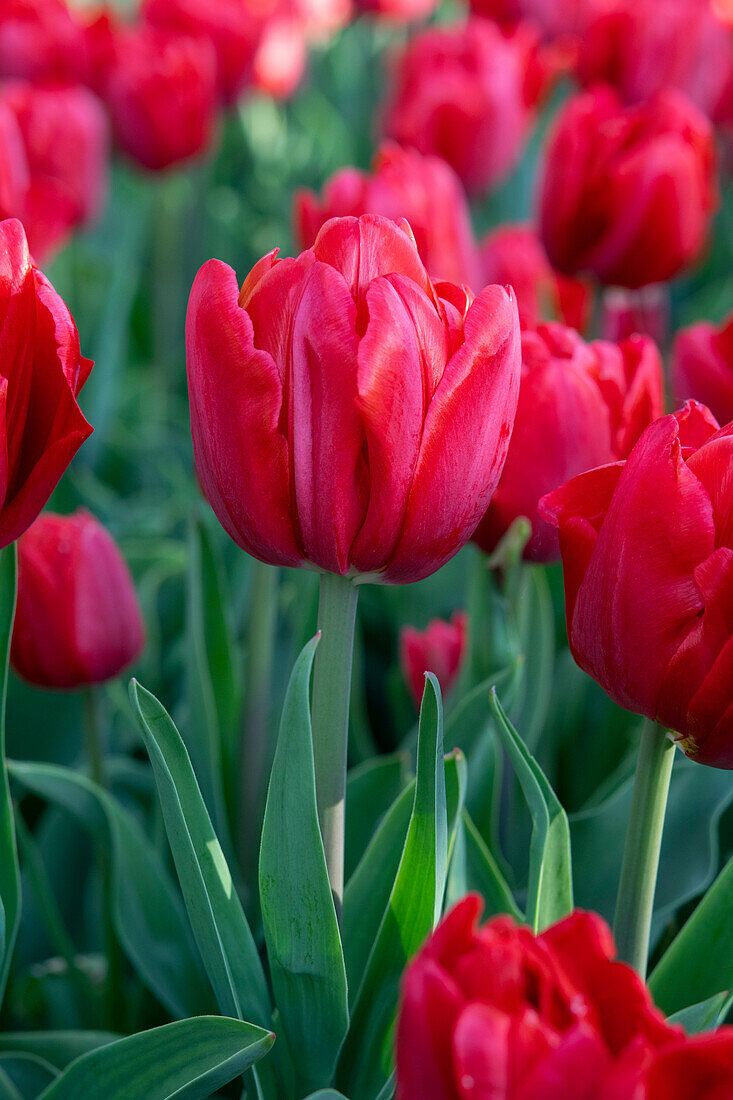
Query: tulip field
x=366, y=549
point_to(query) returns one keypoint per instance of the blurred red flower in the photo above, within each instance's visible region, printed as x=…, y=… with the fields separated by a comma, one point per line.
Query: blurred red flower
x=438, y=649
x=39, y=40
x=703, y=367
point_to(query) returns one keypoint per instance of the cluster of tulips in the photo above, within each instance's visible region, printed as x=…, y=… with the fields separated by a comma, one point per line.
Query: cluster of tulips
x=364, y=410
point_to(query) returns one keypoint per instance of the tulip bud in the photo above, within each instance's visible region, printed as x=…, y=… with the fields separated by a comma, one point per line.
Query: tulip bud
x=403, y=184
x=438, y=649
x=580, y=406
x=627, y=193
x=649, y=578
x=39, y=40
x=78, y=621
x=703, y=367
x=347, y=412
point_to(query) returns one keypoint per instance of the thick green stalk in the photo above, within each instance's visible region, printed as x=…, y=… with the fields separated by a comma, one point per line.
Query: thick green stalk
x=330, y=711
x=638, y=883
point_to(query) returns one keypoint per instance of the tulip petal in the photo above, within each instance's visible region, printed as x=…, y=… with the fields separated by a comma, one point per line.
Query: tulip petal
x=492, y=1051
x=430, y=1004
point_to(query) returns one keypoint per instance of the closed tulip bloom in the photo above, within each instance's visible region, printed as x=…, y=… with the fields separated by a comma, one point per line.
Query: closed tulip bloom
x=628, y=192
x=438, y=649
x=65, y=138
x=160, y=88
x=14, y=171
x=515, y=255
x=497, y=1013
x=41, y=374
x=78, y=620
x=281, y=57
x=648, y=562
x=466, y=93
x=580, y=406
x=39, y=40
x=703, y=367
x=403, y=184
x=347, y=413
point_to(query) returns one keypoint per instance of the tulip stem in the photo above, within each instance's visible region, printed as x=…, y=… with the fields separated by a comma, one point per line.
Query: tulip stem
x=638, y=883
x=330, y=711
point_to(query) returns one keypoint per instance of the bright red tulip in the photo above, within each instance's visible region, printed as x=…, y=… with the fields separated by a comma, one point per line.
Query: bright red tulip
x=64, y=137
x=78, y=620
x=160, y=88
x=466, y=93
x=514, y=255
x=41, y=374
x=580, y=406
x=648, y=559
x=699, y=1069
x=496, y=1013
x=398, y=10
x=14, y=171
x=346, y=411
x=281, y=57
x=703, y=367
x=642, y=47
x=554, y=17
x=438, y=649
x=39, y=40
x=403, y=184
x=627, y=193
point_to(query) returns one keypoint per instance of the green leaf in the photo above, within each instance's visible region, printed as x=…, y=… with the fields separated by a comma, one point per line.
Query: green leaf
x=474, y=869
x=705, y=1016
x=9, y=871
x=536, y=629
x=412, y=912
x=298, y=913
x=8, y=1090
x=57, y=1047
x=699, y=961
x=29, y=1073
x=218, y=921
x=149, y=918
x=188, y=1060
x=550, y=890
x=371, y=789
x=326, y=1094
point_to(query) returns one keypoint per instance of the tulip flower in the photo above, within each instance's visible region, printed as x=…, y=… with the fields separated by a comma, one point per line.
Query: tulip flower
x=580, y=406
x=41, y=374
x=280, y=60
x=438, y=649
x=403, y=184
x=350, y=415
x=466, y=93
x=63, y=132
x=703, y=367
x=554, y=17
x=398, y=10
x=39, y=40
x=78, y=620
x=627, y=193
x=514, y=255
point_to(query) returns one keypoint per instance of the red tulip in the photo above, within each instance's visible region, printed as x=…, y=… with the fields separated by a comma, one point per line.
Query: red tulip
x=78, y=620
x=554, y=17
x=580, y=406
x=703, y=367
x=403, y=184
x=41, y=374
x=700, y=1069
x=280, y=61
x=514, y=254
x=65, y=144
x=14, y=171
x=439, y=649
x=496, y=1013
x=648, y=578
x=642, y=47
x=160, y=88
x=628, y=193
x=398, y=10
x=346, y=411
x=466, y=93
x=39, y=40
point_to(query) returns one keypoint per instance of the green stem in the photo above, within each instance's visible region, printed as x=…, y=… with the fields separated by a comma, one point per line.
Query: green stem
x=638, y=883
x=330, y=710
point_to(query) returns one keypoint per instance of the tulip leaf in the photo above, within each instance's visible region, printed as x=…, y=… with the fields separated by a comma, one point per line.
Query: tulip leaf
x=474, y=869
x=699, y=962
x=326, y=1094
x=149, y=918
x=550, y=889
x=412, y=911
x=187, y=1060
x=536, y=629
x=298, y=912
x=705, y=1016
x=9, y=871
x=57, y=1047
x=28, y=1073
x=217, y=918
x=371, y=788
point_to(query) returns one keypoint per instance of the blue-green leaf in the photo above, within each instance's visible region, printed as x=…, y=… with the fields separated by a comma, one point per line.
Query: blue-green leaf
x=474, y=869
x=57, y=1047
x=704, y=1016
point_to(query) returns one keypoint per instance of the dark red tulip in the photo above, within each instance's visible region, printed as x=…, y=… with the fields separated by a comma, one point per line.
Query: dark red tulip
x=648, y=558
x=628, y=192
x=403, y=184
x=699, y=1069
x=514, y=254
x=64, y=137
x=554, y=17
x=41, y=374
x=580, y=406
x=466, y=93
x=438, y=649
x=39, y=40
x=346, y=411
x=78, y=620
x=703, y=367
